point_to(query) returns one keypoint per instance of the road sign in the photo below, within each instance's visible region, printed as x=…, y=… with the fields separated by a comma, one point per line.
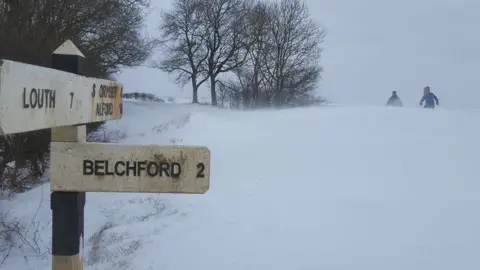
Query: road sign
x=63, y=99
x=98, y=167
x=34, y=97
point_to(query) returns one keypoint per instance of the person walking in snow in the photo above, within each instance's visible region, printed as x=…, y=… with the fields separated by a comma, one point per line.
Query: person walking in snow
x=394, y=100
x=429, y=98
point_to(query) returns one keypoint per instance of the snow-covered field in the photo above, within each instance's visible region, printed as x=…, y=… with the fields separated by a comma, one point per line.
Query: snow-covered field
x=334, y=188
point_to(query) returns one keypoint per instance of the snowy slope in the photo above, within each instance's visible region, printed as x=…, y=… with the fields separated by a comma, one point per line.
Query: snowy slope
x=376, y=46
x=334, y=188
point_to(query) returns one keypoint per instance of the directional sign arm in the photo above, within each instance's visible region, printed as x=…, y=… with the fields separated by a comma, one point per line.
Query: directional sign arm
x=97, y=167
x=34, y=97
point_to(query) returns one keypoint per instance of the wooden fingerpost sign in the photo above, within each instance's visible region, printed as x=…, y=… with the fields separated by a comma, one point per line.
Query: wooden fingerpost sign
x=63, y=99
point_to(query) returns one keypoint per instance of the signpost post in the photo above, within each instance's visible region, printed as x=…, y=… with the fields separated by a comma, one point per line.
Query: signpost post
x=63, y=99
x=68, y=213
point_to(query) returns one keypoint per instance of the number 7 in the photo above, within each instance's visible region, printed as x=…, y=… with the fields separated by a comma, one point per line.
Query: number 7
x=71, y=99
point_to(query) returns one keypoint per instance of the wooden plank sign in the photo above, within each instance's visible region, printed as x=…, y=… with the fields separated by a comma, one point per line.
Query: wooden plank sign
x=34, y=98
x=98, y=167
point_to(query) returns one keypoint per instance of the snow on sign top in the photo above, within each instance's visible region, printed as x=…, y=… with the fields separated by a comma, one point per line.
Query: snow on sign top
x=34, y=97
x=68, y=48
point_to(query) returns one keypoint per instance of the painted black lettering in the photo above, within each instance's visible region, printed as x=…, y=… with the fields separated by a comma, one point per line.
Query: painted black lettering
x=117, y=169
x=200, y=168
x=71, y=99
x=48, y=92
x=141, y=166
x=93, y=90
x=152, y=169
x=104, y=109
x=33, y=98
x=99, y=167
x=87, y=167
x=108, y=108
x=51, y=103
x=102, y=92
x=107, y=169
x=112, y=92
x=107, y=91
x=132, y=167
x=164, y=169
x=24, y=96
x=40, y=96
x=176, y=170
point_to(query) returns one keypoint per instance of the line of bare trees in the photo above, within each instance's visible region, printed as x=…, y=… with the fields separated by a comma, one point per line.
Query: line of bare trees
x=252, y=53
x=143, y=96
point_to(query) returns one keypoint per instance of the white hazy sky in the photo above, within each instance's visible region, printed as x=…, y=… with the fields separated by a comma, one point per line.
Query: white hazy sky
x=376, y=46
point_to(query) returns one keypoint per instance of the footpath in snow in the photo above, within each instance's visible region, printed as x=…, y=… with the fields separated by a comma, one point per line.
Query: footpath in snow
x=332, y=188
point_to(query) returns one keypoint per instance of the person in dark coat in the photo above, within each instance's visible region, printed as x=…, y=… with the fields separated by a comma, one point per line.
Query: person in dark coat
x=394, y=100
x=429, y=98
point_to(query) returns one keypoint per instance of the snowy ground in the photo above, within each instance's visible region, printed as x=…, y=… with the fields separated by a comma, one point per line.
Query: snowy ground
x=337, y=188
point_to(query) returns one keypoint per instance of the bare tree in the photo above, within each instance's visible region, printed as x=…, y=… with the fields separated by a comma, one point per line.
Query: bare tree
x=271, y=48
x=236, y=90
x=225, y=37
x=258, y=21
x=108, y=32
x=185, y=54
x=291, y=62
x=282, y=66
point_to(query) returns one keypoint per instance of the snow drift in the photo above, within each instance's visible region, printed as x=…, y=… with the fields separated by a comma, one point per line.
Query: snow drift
x=314, y=188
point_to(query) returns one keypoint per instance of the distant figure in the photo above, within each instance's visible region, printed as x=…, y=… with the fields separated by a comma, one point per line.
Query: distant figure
x=394, y=100
x=429, y=98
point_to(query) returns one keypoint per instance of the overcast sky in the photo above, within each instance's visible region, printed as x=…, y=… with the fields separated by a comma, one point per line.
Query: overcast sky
x=376, y=46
